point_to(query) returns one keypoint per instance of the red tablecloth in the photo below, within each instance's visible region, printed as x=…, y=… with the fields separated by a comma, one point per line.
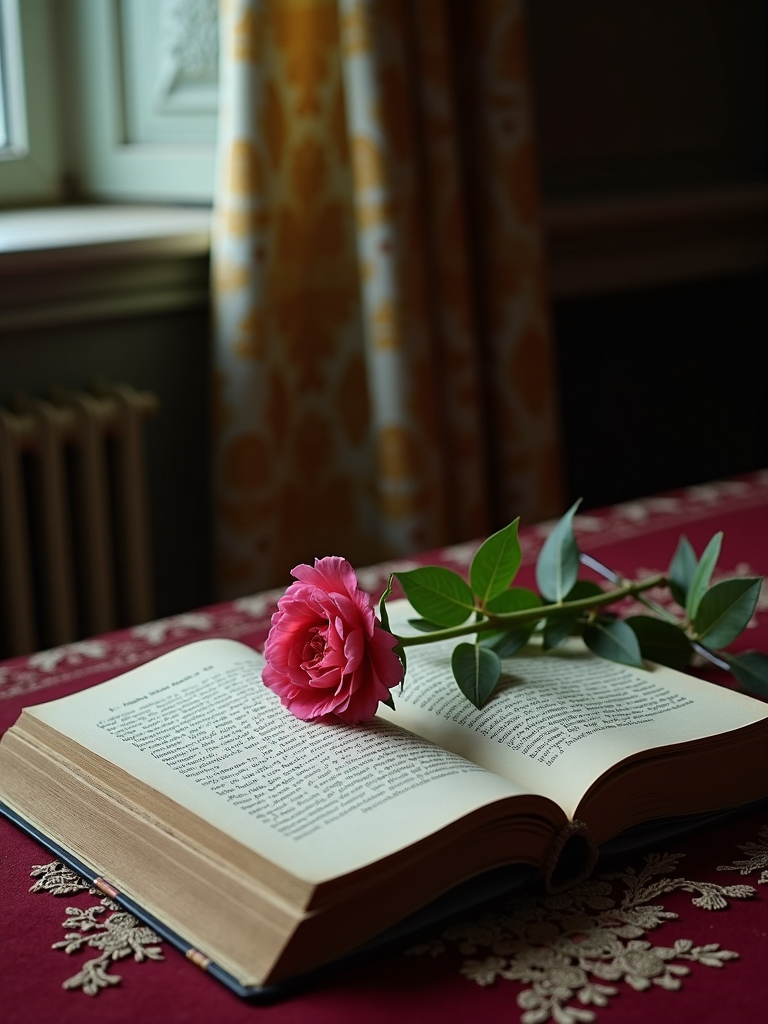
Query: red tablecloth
x=692, y=944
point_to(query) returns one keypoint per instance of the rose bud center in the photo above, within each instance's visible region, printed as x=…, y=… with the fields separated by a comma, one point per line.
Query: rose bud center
x=314, y=648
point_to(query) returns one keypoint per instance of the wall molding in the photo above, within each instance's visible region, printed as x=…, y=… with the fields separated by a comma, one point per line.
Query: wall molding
x=78, y=263
x=65, y=265
x=651, y=241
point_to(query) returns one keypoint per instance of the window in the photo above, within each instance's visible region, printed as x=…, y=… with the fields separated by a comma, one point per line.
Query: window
x=124, y=107
x=29, y=152
x=6, y=139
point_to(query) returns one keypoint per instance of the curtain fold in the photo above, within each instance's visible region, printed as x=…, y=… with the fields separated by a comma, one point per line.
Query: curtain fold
x=383, y=364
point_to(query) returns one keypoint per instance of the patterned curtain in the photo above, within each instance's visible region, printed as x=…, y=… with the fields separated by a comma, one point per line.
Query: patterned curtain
x=383, y=366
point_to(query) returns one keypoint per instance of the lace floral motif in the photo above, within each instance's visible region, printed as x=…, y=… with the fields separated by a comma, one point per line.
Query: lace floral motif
x=117, y=936
x=757, y=858
x=566, y=948
x=156, y=632
x=74, y=654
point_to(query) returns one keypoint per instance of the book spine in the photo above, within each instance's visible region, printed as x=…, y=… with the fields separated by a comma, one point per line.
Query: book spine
x=192, y=954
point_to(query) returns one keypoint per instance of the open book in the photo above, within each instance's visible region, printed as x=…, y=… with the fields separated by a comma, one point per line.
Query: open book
x=270, y=846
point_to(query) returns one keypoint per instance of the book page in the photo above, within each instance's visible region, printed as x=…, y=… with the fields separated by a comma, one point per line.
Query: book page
x=199, y=726
x=559, y=720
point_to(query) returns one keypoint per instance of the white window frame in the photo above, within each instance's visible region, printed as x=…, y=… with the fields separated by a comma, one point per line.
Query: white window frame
x=30, y=165
x=68, y=102
x=108, y=166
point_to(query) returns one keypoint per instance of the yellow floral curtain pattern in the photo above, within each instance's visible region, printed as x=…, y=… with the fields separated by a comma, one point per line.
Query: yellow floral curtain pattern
x=383, y=363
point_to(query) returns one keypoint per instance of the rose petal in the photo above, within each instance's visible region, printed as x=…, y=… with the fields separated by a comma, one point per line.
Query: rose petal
x=327, y=655
x=332, y=575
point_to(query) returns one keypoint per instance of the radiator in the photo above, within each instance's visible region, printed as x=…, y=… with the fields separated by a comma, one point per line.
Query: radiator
x=74, y=542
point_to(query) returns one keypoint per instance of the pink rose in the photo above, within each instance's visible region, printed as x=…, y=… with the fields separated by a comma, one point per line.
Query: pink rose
x=328, y=657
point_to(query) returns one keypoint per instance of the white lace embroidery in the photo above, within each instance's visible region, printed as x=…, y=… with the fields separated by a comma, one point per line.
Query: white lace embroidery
x=126, y=649
x=260, y=604
x=74, y=654
x=117, y=936
x=757, y=858
x=155, y=632
x=564, y=948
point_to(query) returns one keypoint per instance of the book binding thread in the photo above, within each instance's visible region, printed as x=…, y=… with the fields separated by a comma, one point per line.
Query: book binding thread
x=104, y=886
x=198, y=959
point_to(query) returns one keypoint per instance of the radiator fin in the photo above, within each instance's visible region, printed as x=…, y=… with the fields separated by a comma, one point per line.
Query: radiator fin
x=74, y=532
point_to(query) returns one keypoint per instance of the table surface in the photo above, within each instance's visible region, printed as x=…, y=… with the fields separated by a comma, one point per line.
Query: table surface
x=679, y=930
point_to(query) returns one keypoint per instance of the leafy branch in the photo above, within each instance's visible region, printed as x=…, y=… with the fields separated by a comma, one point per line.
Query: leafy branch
x=503, y=617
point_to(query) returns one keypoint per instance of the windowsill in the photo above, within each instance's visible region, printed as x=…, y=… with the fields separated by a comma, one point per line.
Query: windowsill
x=31, y=238
x=73, y=264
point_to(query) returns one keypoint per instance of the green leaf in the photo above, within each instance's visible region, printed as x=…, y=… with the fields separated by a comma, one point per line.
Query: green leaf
x=702, y=575
x=615, y=640
x=390, y=702
x=477, y=670
x=681, y=570
x=495, y=563
x=557, y=567
x=725, y=609
x=438, y=594
x=751, y=669
x=584, y=588
x=557, y=629
x=507, y=642
x=514, y=599
x=661, y=641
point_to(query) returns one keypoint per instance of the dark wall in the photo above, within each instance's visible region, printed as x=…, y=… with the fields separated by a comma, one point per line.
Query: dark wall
x=648, y=95
x=663, y=388
x=666, y=386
